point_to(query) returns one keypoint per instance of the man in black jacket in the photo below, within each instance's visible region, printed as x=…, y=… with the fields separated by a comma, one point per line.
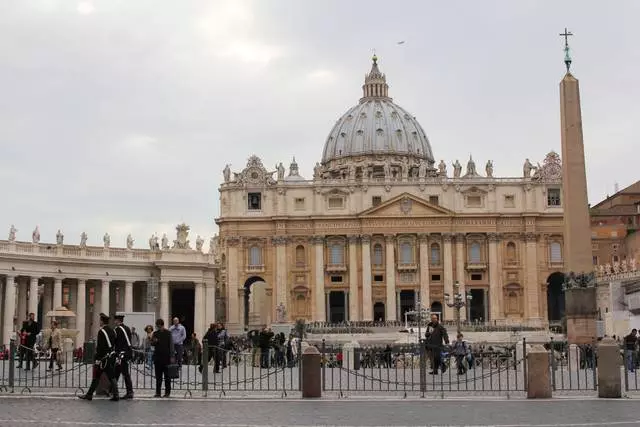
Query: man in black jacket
x=435, y=338
x=30, y=330
x=104, y=360
x=124, y=352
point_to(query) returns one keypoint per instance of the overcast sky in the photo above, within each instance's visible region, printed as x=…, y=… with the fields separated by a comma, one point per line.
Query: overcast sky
x=119, y=115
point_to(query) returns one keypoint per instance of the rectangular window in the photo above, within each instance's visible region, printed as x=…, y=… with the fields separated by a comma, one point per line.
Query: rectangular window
x=255, y=201
x=376, y=200
x=595, y=260
x=474, y=201
x=378, y=278
x=336, y=202
x=476, y=277
x=298, y=203
x=556, y=252
x=434, y=200
x=336, y=279
x=553, y=197
x=336, y=254
x=509, y=201
x=435, y=277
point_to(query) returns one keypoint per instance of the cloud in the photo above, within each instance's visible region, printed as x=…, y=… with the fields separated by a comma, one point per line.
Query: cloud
x=85, y=8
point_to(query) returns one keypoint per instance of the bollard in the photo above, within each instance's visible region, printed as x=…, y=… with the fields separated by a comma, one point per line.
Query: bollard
x=311, y=373
x=609, y=378
x=538, y=375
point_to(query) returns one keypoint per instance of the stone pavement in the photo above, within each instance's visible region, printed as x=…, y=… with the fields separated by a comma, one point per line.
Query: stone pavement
x=36, y=412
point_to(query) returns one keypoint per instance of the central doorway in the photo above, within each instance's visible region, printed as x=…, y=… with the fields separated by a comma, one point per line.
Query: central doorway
x=379, y=312
x=182, y=303
x=407, y=302
x=477, y=306
x=337, y=307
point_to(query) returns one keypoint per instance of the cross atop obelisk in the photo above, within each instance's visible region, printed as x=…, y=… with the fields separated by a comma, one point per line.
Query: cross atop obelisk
x=567, y=53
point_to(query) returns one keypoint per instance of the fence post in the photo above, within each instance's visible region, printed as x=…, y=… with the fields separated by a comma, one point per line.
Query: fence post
x=204, y=364
x=423, y=366
x=323, y=359
x=609, y=380
x=538, y=381
x=311, y=373
x=12, y=364
x=524, y=361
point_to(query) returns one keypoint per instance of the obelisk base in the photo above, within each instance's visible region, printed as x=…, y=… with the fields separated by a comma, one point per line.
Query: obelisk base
x=581, y=313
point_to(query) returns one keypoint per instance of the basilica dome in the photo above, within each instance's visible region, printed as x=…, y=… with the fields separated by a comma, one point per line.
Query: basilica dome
x=376, y=128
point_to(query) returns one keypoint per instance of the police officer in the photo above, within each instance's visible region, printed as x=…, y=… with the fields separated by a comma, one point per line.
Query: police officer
x=124, y=352
x=104, y=360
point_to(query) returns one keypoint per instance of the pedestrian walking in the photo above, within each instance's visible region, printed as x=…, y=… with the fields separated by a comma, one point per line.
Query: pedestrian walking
x=435, y=338
x=104, y=360
x=55, y=345
x=124, y=351
x=163, y=356
x=178, y=335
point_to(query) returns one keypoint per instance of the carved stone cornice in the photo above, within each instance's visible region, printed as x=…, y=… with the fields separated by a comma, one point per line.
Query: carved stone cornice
x=493, y=237
x=365, y=238
x=317, y=240
x=447, y=237
x=423, y=238
x=232, y=241
x=460, y=237
x=279, y=240
x=353, y=239
x=530, y=237
x=390, y=238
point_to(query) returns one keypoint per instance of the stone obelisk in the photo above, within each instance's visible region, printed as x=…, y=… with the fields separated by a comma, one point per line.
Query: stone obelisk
x=580, y=291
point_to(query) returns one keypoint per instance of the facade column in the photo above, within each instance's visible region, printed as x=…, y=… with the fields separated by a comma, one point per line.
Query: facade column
x=398, y=306
x=210, y=307
x=47, y=299
x=164, y=302
x=327, y=306
x=495, y=290
x=425, y=277
x=460, y=261
x=447, y=258
x=81, y=314
x=233, y=306
x=104, y=297
x=280, y=242
x=199, y=310
x=391, y=278
x=57, y=293
x=367, y=291
x=353, y=313
x=22, y=300
x=33, y=296
x=320, y=314
x=532, y=288
x=128, y=296
x=9, y=309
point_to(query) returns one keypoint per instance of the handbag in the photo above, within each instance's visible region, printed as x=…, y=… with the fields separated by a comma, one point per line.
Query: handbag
x=173, y=372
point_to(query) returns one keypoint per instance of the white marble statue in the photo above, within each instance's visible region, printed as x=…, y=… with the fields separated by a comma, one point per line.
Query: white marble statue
x=153, y=242
x=106, y=240
x=35, y=236
x=165, y=242
x=527, y=168
x=280, y=169
x=12, y=233
x=489, y=169
x=457, y=169
x=226, y=172
x=442, y=169
x=83, y=240
x=281, y=313
x=387, y=169
x=199, y=243
x=317, y=171
x=59, y=237
x=130, y=241
x=471, y=167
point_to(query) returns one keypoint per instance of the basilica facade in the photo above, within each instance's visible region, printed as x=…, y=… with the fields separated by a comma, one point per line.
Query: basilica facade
x=383, y=227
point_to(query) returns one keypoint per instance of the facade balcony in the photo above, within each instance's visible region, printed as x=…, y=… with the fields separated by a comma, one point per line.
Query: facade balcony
x=476, y=265
x=556, y=264
x=407, y=267
x=336, y=268
x=255, y=268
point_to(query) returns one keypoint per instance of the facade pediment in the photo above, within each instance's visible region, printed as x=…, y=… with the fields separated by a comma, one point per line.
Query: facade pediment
x=406, y=205
x=473, y=190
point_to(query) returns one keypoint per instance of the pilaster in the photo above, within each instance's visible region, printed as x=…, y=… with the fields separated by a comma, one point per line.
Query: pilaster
x=233, y=307
x=460, y=262
x=280, y=243
x=425, y=277
x=367, y=291
x=354, y=314
x=531, y=277
x=495, y=290
x=391, y=277
x=319, y=296
x=447, y=259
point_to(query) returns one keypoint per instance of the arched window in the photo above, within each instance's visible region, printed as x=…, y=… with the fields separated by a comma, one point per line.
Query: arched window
x=511, y=252
x=300, y=256
x=474, y=253
x=255, y=256
x=378, y=254
x=555, y=252
x=406, y=253
x=435, y=254
x=336, y=254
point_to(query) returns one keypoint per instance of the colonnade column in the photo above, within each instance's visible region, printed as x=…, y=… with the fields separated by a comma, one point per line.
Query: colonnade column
x=233, y=306
x=22, y=299
x=164, y=302
x=57, y=294
x=104, y=297
x=81, y=313
x=391, y=278
x=367, y=292
x=425, y=277
x=353, y=280
x=9, y=309
x=280, y=242
x=128, y=296
x=199, y=310
x=33, y=296
x=320, y=314
x=448, y=274
x=210, y=306
x=531, y=277
x=495, y=291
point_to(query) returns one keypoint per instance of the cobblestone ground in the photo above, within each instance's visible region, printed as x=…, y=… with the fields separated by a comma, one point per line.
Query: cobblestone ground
x=41, y=412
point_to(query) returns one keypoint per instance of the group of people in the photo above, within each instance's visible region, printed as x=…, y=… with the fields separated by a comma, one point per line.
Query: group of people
x=28, y=338
x=437, y=341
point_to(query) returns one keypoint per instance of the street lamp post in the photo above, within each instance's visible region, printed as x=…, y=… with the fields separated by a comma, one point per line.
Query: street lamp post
x=459, y=301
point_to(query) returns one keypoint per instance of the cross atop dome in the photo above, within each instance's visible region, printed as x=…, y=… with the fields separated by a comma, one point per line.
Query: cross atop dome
x=375, y=83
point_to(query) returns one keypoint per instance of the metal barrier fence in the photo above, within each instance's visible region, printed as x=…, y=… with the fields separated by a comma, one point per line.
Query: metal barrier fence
x=572, y=367
x=239, y=371
x=409, y=369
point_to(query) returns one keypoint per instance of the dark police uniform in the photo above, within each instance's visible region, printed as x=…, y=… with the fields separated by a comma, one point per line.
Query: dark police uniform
x=104, y=361
x=125, y=354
